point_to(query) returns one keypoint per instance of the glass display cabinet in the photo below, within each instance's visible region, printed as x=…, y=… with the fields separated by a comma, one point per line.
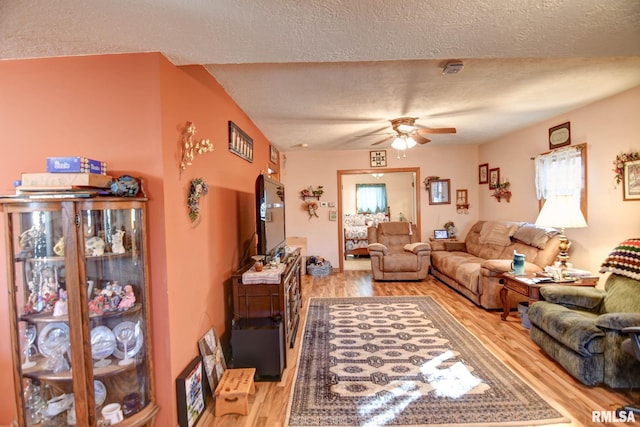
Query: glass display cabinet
x=79, y=310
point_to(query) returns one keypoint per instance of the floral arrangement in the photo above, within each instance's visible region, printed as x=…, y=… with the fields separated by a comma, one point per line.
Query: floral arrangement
x=198, y=189
x=450, y=227
x=312, y=209
x=427, y=181
x=312, y=192
x=191, y=147
x=621, y=159
x=502, y=191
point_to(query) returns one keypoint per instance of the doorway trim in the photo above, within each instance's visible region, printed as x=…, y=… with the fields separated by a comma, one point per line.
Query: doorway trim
x=369, y=171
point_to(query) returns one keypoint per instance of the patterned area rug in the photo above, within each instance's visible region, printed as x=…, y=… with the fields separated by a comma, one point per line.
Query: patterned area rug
x=403, y=361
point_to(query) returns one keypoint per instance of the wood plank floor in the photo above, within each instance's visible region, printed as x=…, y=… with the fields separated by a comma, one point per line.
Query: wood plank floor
x=508, y=340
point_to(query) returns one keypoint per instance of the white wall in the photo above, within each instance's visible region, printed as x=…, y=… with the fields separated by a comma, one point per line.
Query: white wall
x=300, y=169
x=608, y=127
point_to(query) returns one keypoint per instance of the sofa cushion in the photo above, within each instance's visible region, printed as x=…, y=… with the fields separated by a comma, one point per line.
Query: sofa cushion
x=622, y=295
x=497, y=233
x=400, y=262
x=624, y=260
x=575, y=329
x=580, y=297
x=531, y=235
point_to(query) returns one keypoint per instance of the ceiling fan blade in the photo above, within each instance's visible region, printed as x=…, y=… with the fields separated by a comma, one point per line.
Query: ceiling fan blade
x=437, y=130
x=382, y=141
x=420, y=139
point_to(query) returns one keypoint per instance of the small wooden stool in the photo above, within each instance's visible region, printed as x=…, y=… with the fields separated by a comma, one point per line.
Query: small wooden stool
x=233, y=391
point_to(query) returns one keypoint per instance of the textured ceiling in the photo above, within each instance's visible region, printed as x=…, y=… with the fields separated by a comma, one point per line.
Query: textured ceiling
x=331, y=74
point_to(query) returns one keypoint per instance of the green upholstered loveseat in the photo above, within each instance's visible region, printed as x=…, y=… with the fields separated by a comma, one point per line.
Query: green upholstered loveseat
x=581, y=328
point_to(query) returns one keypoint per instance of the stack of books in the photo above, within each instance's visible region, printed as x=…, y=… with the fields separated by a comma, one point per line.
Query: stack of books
x=67, y=177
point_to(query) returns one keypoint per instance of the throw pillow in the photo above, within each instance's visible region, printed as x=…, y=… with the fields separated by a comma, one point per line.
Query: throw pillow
x=455, y=246
x=534, y=236
x=624, y=260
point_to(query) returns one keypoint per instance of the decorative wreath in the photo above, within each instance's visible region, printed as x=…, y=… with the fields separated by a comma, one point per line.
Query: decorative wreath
x=198, y=189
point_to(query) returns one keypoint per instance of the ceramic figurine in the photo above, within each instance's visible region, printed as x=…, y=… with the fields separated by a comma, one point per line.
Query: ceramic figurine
x=125, y=185
x=94, y=246
x=129, y=298
x=117, y=246
x=60, y=308
x=59, y=247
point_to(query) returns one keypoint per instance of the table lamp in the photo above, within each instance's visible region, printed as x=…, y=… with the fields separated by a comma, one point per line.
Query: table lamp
x=561, y=212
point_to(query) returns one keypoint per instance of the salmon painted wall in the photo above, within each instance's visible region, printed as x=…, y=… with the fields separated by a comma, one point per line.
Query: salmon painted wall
x=608, y=127
x=129, y=110
x=101, y=107
x=201, y=256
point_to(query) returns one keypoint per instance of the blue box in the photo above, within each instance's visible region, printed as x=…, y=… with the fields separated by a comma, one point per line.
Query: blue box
x=76, y=164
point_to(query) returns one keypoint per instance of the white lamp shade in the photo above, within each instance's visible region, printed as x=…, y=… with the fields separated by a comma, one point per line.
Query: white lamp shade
x=561, y=212
x=399, y=143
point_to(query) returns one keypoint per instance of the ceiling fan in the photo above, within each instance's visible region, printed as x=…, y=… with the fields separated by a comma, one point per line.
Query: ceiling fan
x=407, y=134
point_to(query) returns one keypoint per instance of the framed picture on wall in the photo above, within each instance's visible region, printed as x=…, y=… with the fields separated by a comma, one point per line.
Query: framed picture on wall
x=631, y=180
x=560, y=135
x=494, y=178
x=483, y=173
x=440, y=192
x=378, y=159
x=240, y=143
x=273, y=155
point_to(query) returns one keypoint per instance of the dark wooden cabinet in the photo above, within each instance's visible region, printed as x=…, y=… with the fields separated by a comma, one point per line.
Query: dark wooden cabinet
x=280, y=302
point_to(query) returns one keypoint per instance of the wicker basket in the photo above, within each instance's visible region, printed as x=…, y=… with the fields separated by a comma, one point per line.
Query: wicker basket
x=319, y=270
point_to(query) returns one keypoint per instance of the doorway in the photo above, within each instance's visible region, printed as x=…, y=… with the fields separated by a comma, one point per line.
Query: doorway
x=403, y=199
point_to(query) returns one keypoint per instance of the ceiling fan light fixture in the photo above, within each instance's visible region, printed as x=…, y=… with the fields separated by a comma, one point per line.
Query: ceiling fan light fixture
x=405, y=128
x=410, y=142
x=452, y=67
x=399, y=143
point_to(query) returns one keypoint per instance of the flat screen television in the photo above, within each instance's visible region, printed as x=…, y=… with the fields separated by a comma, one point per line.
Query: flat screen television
x=270, y=216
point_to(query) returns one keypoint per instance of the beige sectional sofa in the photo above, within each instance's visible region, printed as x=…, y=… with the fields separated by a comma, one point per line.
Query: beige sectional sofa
x=474, y=267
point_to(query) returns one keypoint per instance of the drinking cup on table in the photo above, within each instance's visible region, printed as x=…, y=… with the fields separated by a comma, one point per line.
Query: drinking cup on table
x=258, y=265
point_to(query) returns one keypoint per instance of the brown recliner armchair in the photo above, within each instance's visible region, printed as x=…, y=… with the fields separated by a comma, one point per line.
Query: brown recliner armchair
x=397, y=253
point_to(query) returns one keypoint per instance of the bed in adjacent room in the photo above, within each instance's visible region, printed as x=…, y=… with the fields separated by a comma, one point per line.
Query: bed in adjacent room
x=355, y=231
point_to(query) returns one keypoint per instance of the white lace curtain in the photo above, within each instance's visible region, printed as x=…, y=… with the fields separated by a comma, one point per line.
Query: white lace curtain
x=560, y=173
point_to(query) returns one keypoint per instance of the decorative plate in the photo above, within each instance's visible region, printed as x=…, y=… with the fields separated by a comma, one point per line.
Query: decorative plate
x=133, y=346
x=51, y=337
x=100, y=392
x=103, y=342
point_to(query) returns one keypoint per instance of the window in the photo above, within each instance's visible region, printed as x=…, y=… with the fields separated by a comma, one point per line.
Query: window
x=371, y=198
x=562, y=172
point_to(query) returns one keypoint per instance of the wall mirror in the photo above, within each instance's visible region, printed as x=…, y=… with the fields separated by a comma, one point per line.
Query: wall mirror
x=440, y=192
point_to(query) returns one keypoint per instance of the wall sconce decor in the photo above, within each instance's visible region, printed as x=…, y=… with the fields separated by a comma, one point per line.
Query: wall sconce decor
x=462, y=201
x=190, y=148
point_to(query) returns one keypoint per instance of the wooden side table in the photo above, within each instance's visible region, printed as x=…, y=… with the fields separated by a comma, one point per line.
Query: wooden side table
x=525, y=285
